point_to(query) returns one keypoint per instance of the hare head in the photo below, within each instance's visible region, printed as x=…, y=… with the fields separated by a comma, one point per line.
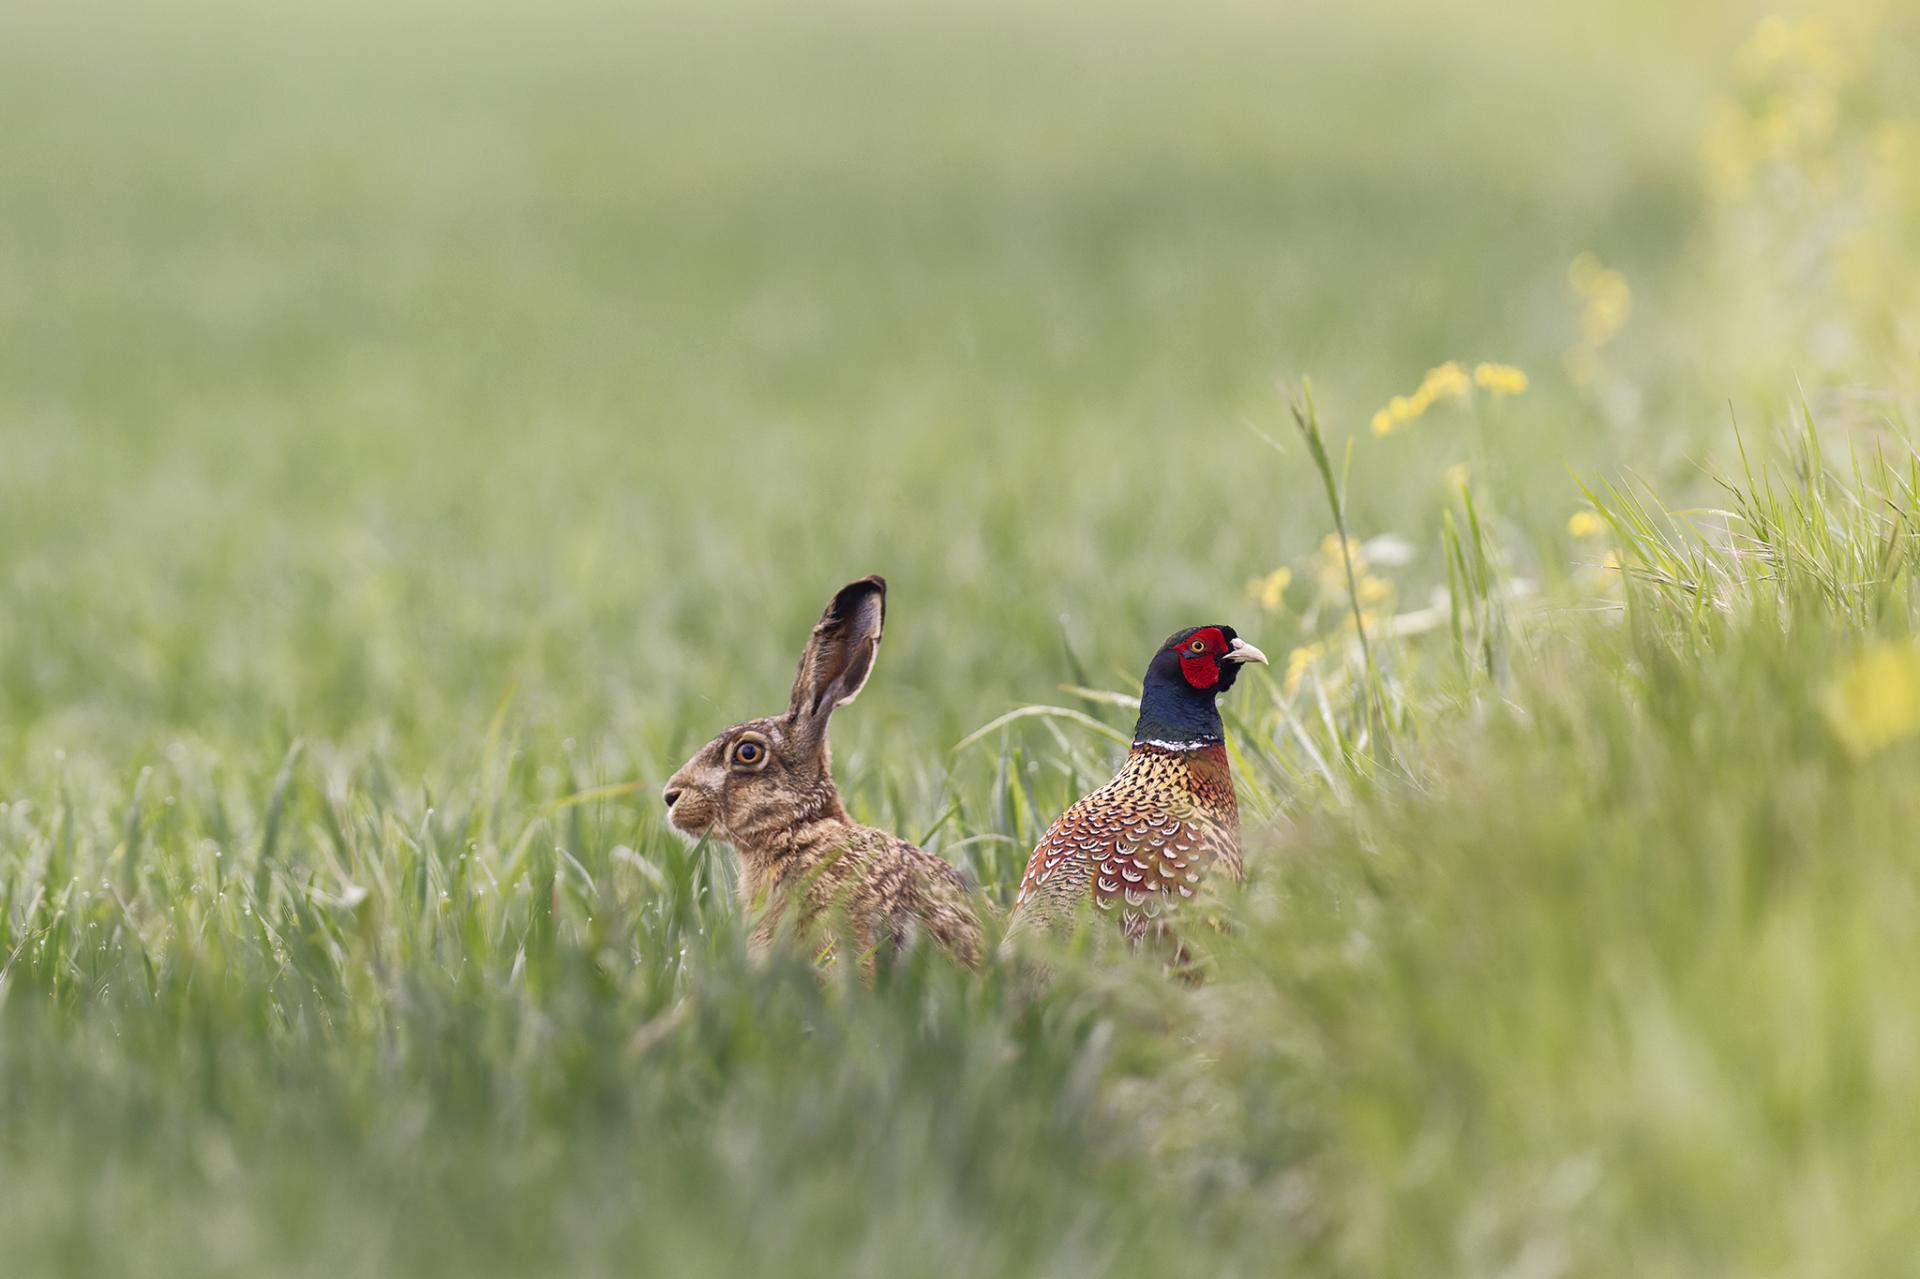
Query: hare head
x=768, y=776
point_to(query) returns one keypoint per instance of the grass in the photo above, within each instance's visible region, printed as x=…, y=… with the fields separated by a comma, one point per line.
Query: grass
x=420, y=429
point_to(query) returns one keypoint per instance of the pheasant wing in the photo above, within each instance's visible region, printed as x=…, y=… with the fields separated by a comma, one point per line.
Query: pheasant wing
x=1129, y=854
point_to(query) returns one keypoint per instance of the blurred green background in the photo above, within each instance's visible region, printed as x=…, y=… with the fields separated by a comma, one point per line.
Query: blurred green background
x=363, y=362
x=486, y=398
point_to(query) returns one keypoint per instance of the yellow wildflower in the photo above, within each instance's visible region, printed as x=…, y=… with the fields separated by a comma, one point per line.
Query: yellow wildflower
x=1332, y=569
x=1585, y=524
x=1769, y=44
x=1607, y=300
x=1501, y=379
x=1446, y=381
x=1270, y=592
x=1330, y=548
x=1874, y=701
x=1299, y=662
x=1777, y=43
x=1606, y=576
x=1373, y=590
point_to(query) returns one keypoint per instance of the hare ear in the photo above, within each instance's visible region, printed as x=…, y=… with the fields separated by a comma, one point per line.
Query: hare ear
x=841, y=651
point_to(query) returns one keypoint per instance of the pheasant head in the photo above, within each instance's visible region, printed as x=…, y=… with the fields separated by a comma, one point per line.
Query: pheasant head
x=1189, y=671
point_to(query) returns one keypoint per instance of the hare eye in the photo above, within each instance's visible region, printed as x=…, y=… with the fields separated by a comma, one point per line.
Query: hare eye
x=749, y=753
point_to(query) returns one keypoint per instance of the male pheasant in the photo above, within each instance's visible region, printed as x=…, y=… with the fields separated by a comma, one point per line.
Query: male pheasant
x=1140, y=844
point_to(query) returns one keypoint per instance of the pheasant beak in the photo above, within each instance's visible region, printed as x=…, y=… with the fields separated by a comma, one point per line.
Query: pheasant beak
x=1241, y=651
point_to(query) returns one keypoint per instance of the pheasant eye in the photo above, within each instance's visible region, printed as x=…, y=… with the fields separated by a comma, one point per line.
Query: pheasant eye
x=1198, y=646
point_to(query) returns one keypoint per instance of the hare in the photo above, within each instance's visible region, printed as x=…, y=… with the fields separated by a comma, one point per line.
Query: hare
x=766, y=788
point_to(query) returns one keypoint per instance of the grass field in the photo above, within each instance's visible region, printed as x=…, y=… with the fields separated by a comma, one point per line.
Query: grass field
x=422, y=426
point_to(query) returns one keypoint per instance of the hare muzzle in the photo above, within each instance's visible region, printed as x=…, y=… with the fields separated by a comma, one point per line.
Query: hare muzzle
x=692, y=799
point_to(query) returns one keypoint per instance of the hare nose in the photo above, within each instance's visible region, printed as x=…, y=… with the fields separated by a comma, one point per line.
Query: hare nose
x=670, y=796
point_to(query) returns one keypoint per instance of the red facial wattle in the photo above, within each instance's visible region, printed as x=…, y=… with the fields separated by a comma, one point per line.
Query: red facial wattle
x=1202, y=669
x=1203, y=672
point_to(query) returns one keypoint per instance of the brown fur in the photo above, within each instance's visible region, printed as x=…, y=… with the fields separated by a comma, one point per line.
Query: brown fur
x=806, y=865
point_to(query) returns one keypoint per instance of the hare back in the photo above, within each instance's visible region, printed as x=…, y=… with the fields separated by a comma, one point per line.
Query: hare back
x=883, y=887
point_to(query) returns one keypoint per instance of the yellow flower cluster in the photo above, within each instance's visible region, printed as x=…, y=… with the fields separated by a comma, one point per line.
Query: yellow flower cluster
x=1810, y=157
x=1794, y=73
x=1375, y=593
x=1607, y=297
x=1606, y=301
x=1779, y=43
x=1374, y=590
x=1874, y=701
x=1299, y=662
x=1270, y=592
x=1501, y=379
x=1585, y=524
x=1332, y=569
x=1449, y=381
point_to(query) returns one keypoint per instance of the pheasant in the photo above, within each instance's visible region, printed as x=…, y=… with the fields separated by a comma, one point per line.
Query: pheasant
x=1140, y=844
